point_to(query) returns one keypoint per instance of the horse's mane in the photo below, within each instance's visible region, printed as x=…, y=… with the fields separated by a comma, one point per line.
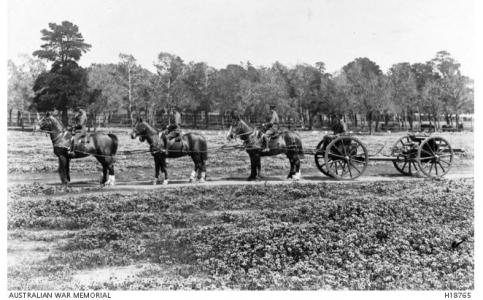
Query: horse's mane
x=58, y=125
x=151, y=128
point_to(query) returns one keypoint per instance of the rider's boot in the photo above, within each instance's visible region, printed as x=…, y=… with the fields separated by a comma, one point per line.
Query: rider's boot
x=265, y=142
x=71, y=152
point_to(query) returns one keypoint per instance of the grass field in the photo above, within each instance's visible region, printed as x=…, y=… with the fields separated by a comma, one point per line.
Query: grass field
x=356, y=235
x=365, y=236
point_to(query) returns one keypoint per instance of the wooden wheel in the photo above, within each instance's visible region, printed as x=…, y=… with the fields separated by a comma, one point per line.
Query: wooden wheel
x=406, y=152
x=320, y=159
x=346, y=158
x=435, y=157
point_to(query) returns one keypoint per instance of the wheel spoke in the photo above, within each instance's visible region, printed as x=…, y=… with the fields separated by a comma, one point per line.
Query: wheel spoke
x=447, y=163
x=422, y=150
x=350, y=162
x=436, y=168
x=336, y=155
x=444, y=171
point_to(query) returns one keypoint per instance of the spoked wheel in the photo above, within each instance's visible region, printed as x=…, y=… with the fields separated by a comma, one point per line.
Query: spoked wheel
x=346, y=158
x=406, y=151
x=320, y=159
x=435, y=157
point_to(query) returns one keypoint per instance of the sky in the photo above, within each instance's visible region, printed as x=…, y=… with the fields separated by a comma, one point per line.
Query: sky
x=221, y=32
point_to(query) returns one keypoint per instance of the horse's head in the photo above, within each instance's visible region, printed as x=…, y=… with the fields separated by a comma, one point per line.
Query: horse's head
x=46, y=123
x=238, y=128
x=142, y=130
x=234, y=127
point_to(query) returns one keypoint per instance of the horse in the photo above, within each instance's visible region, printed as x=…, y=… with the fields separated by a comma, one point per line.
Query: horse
x=286, y=142
x=192, y=144
x=102, y=146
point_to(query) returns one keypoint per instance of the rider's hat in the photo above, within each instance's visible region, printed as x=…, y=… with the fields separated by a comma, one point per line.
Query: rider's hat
x=272, y=106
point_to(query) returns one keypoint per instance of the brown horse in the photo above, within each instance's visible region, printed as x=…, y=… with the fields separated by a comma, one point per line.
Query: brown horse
x=102, y=146
x=192, y=144
x=287, y=142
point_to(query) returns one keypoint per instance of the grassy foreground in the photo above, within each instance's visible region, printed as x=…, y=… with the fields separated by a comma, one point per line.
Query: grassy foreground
x=361, y=236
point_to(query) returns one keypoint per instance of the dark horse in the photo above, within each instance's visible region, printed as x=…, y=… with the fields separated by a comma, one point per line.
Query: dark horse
x=192, y=144
x=102, y=146
x=286, y=142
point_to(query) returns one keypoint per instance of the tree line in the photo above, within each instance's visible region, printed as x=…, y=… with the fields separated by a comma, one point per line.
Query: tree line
x=306, y=94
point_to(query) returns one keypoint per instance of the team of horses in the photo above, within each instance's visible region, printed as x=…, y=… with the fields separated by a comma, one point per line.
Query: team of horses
x=104, y=148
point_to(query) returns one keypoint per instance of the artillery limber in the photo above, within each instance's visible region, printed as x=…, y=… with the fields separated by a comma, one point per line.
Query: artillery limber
x=345, y=157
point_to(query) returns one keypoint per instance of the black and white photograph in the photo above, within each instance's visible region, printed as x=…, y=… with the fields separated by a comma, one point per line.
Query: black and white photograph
x=159, y=145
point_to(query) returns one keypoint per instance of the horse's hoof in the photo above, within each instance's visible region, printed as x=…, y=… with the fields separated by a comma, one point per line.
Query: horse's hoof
x=165, y=182
x=155, y=182
x=251, y=178
x=201, y=180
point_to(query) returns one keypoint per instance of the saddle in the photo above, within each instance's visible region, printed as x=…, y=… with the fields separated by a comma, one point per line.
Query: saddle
x=176, y=143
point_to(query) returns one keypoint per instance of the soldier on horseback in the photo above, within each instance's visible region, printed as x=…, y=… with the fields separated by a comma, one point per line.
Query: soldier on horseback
x=173, y=130
x=78, y=129
x=271, y=128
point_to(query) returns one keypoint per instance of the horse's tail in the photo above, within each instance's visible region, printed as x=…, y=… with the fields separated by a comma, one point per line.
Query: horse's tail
x=294, y=143
x=115, y=143
x=203, y=148
x=197, y=143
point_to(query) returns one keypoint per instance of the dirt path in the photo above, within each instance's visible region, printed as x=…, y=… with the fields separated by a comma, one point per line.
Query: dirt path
x=122, y=185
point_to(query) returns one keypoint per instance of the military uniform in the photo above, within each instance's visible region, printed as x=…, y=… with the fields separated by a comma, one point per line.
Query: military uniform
x=174, y=126
x=338, y=127
x=272, y=129
x=79, y=129
x=173, y=130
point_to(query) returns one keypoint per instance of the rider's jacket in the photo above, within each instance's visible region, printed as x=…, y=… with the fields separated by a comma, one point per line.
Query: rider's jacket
x=80, y=120
x=339, y=127
x=174, y=120
x=274, y=118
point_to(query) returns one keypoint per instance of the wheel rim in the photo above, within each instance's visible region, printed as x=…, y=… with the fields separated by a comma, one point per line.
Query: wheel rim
x=320, y=159
x=406, y=155
x=346, y=158
x=435, y=157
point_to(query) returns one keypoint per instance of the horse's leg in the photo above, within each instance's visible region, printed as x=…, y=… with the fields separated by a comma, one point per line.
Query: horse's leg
x=292, y=167
x=62, y=169
x=202, y=169
x=67, y=169
x=296, y=160
x=163, y=168
x=291, y=172
x=259, y=168
x=194, y=173
x=110, y=169
x=157, y=166
x=253, y=166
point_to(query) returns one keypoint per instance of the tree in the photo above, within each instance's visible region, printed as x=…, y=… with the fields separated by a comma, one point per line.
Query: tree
x=456, y=89
x=65, y=85
x=365, y=87
x=198, y=80
x=136, y=82
x=103, y=78
x=20, y=82
x=403, y=90
x=169, y=69
x=64, y=43
x=61, y=89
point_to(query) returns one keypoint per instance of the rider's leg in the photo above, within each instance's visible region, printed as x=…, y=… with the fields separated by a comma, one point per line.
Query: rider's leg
x=71, y=152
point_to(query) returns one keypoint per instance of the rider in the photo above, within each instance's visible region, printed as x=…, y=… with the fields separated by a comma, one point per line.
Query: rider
x=338, y=127
x=173, y=130
x=271, y=128
x=78, y=128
